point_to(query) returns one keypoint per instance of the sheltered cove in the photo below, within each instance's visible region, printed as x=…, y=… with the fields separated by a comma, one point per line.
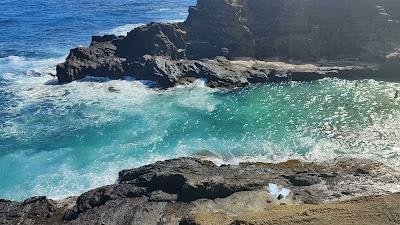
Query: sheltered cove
x=241, y=42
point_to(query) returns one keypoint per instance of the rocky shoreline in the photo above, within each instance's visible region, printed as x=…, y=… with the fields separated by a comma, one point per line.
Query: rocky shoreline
x=191, y=191
x=234, y=43
x=356, y=40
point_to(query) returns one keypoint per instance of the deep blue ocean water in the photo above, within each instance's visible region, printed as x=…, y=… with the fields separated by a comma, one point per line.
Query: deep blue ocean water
x=61, y=140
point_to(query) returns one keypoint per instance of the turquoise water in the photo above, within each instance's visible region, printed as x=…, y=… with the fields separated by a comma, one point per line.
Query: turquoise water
x=61, y=140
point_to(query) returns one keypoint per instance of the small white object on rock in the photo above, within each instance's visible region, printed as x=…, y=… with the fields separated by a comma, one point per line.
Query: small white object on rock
x=278, y=192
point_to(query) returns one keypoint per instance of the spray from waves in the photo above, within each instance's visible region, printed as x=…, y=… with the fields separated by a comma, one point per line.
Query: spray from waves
x=125, y=29
x=171, y=21
x=13, y=66
x=59, y=174
x=61, y=140
x=313, y=122
x=45, y=114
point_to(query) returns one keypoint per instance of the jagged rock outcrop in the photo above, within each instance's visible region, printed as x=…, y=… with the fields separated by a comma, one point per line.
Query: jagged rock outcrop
x=172, y=191
x=153, y=39
x=356, y=34
x=97, y=60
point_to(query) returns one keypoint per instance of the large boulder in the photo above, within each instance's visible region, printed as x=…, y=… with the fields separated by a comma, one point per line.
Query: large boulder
x=153, y=39
x=98, y=60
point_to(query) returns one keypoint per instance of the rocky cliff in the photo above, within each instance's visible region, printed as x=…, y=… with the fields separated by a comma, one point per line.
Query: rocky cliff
x=183, y=191
x=306, y=30
x=357, y=33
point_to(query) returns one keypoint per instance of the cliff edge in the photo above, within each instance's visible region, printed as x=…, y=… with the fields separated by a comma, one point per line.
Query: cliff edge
x=189, y=191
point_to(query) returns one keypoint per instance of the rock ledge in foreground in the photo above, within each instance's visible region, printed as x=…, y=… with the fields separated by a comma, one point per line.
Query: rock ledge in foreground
x=173, y=191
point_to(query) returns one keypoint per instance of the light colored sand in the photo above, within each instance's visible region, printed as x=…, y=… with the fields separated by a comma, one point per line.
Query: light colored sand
x=372, y=210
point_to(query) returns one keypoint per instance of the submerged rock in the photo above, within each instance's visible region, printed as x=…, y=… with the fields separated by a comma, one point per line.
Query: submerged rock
x=170, y=192
x=354, y=40
x=113, y=89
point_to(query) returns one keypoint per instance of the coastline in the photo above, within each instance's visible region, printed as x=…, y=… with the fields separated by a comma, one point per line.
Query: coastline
x=217, y=33
x=196, y=191
x=229, y=44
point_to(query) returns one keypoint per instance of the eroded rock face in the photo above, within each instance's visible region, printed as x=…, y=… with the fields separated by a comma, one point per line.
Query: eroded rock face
x=32, y=211
x=153, y=39
x=326, y=33
x=97, y=60
x=307, y=30
x=169, y=192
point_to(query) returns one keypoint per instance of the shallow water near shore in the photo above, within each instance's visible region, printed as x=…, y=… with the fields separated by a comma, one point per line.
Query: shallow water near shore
x=61, y=140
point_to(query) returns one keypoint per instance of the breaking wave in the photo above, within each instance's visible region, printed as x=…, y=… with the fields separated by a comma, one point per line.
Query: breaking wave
x=61, y=140
x=124, y=29
x=19, y=65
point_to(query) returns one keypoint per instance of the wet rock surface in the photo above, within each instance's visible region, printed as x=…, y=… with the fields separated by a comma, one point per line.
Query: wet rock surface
x=352, y=40
x=172, y=191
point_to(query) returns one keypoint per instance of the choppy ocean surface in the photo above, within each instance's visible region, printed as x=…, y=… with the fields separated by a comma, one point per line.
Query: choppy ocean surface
x=61, y=140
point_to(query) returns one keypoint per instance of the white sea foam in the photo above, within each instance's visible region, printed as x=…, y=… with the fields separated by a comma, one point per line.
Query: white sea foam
x=147, y=124
x=124, y=29
x=197, y=96
x=21, y=65
x=65, y=179
x=172, y=21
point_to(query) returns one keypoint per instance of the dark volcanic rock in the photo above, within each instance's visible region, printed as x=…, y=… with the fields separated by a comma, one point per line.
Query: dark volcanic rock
x=102, y=39
x=306, y=30
x=169, y=191
x=187, y=180
x=101, y=196
x=153, y=39
x=33, y=211
x=160, y=196
x=304, y=179
x=98, y=60
x=342, y=33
